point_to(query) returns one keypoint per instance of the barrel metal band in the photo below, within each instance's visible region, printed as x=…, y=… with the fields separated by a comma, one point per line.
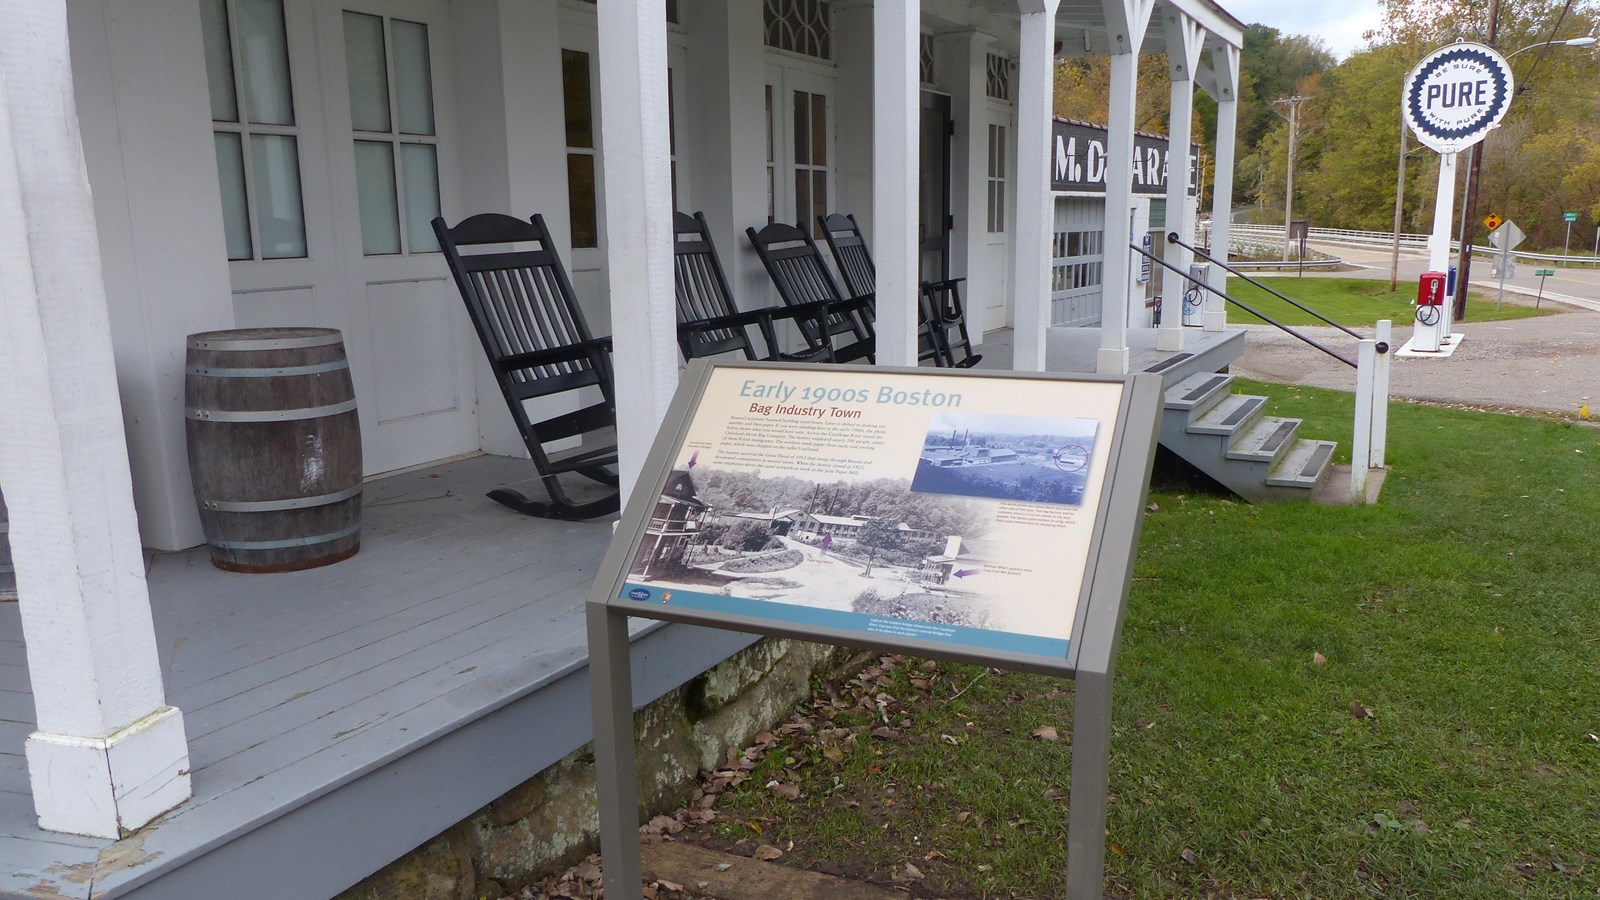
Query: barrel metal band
x=250, y=506
x=267, y=415
x=287, y=542
x=294, y=343
x=317, y=369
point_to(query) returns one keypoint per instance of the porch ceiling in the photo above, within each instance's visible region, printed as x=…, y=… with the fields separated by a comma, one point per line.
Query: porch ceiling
x=1081, y=24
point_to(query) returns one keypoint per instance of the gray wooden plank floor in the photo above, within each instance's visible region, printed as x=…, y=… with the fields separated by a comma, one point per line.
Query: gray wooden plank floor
x=293, y=684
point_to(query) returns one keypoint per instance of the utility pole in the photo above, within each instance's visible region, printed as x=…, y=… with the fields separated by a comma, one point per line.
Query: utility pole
x=1469, y=209
x=1288, y=189
x=1399, y=204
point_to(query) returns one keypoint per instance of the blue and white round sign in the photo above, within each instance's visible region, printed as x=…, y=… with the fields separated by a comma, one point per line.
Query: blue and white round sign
x=1455, y=95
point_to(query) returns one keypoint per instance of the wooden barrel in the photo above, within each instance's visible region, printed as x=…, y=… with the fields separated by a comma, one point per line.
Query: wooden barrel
x=8, y=573
x=274, y=447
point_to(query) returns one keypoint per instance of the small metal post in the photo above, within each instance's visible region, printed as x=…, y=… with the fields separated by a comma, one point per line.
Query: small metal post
x=1380, y=394
x=1361, y=440
x=1091, y=781
x=615, y=767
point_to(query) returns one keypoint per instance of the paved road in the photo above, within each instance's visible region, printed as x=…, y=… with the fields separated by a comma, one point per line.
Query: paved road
x=1545, y=363
x=1575, y=286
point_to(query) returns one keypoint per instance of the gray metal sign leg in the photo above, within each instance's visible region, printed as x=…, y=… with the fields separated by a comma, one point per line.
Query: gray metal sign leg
x=1091, y=781
x=615, y=767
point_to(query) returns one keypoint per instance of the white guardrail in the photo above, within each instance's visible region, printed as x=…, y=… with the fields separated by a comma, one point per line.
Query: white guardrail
x=1256, y=237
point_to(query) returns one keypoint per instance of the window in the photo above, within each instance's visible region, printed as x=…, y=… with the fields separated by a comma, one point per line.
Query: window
x=925, y=62
x=997, y=179
x=396, y=138
x=1077, y=269
x=999, y=77
x=253, y=127
x=800, y=26
x=810, y=158
x=577, y=91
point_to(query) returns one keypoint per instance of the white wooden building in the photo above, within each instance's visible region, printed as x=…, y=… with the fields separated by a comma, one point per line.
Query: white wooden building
x=175, y=166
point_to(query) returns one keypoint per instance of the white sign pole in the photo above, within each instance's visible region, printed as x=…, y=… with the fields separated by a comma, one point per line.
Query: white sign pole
x=1444, y=202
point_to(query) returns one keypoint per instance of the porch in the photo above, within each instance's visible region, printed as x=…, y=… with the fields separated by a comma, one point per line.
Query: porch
x=372, y=704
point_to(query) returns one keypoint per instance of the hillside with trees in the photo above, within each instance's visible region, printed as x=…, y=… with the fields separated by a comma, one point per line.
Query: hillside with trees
x=1544, y=159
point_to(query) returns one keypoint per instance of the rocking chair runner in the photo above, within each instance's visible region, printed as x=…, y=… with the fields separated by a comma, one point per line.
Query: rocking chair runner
x=708, y=321
x=523, y=309
x=938, y=307
x=802, y=279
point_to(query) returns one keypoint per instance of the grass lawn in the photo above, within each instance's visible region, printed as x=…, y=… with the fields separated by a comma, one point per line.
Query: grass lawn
x=1356, y=302
x=1400, y=700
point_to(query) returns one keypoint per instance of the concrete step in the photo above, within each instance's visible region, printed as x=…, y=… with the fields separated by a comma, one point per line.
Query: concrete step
x=1231, y=415
x=1267, y=440
x=1304, y=466
x=1198, y=393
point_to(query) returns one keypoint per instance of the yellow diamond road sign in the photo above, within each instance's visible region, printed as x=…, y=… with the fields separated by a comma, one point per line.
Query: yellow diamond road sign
x=1492, y=221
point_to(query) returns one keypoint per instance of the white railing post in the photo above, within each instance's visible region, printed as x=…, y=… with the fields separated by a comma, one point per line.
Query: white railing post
x=1361, y=440
x=1380, y=395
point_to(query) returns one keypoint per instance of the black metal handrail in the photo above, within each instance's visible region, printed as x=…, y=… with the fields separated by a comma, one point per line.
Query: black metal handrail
x=1382, y=347
x=1172, y=238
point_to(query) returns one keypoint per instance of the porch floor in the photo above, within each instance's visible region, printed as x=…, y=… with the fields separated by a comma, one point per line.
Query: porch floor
x=369, y=705
x=341, y=685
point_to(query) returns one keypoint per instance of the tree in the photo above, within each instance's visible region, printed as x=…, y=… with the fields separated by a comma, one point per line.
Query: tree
x=877, y=537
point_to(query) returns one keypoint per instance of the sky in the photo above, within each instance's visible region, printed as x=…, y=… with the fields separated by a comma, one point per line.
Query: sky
x=1339, y=24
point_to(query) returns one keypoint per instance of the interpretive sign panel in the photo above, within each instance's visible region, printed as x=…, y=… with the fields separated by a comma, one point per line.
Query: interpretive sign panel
x=894, y=508
x=981, y=516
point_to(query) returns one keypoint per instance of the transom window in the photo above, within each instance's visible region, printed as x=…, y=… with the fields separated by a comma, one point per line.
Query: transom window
x=254, y=128
x=999, y=77
x=800, y=26
x=396, y=137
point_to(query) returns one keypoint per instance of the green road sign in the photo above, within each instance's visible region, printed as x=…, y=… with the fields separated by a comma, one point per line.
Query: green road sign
x=1544, y=272
x=1570, y=217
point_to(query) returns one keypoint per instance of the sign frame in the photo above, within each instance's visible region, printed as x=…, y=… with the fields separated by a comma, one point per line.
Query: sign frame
x=1429, y=79
x=1091, y=652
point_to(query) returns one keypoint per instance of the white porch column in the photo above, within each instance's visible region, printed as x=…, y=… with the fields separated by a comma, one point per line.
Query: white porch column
x=1225, y=67
x=1126, y=21
x=1030, y=275
x=896, y=27
x=109, y=755
x=1184, y=40
x=638, y=222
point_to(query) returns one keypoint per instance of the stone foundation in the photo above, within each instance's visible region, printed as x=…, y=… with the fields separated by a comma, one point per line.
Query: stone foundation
x=549, y=822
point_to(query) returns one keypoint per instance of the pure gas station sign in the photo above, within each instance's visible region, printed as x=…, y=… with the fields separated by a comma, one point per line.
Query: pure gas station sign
x=1456, y=94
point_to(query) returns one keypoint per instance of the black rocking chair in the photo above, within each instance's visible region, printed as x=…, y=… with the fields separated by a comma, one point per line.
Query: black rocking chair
x=709, y=323
x=802, y=279
x=523, y=309
x=938, y=304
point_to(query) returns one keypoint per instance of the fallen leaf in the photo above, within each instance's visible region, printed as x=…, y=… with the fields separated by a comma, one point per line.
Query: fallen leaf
x=786, y=791
x=1154, y=507
x=885, y=732
x=1317, y=659
x=909, y=873
x=753, y=825
x=963, y=816
x=767, y=852
x=663, y=825
x=833, y=752
x=669, y=885
x=650, y=892
x=932, y=855
x=1189, y=857
x=723, y=867
x=1046, y=733
x=1116, y=848
x=1357, y=711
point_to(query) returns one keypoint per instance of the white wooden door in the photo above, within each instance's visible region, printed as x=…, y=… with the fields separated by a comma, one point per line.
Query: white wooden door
x=387, y=95
x=800, y=131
